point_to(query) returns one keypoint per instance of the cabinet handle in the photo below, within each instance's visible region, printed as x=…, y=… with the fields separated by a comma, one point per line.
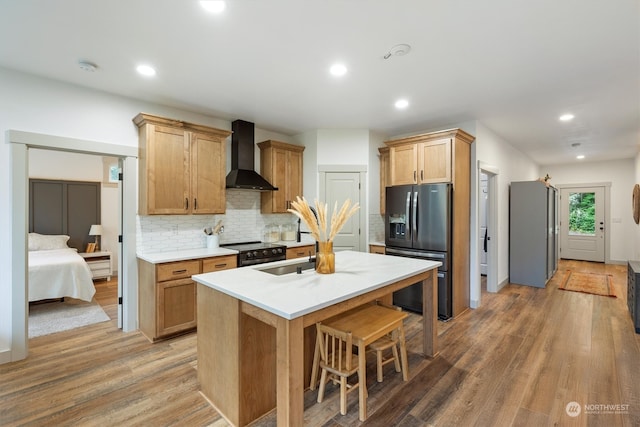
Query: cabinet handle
x=221, y=265
x=195, y=204
x=422, y=175
x=186, y=202
x=179, y=271
x=415, y=174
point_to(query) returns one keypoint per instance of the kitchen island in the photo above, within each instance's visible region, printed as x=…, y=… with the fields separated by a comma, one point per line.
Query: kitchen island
x=251, y=327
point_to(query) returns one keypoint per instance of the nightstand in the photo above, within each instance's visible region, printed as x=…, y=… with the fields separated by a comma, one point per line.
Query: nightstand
x=99, y=263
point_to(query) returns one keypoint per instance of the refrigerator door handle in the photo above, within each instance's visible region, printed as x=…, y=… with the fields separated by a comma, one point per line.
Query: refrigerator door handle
x=415, y=215
x=408, y=205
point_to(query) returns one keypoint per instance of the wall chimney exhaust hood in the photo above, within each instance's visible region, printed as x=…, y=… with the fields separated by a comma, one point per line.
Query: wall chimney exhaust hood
x=242, y=174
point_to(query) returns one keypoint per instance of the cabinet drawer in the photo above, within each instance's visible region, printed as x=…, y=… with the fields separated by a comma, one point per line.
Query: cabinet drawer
x=99, y=265
x=301, y=251
x=219, y=263
x=177, y=270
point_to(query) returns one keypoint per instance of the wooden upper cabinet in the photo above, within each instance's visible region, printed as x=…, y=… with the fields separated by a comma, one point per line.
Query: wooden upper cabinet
x=428, y=158
x=181, y=167
x=208, y=167
x=281, y=165
x=404, y=164
x=434, y=161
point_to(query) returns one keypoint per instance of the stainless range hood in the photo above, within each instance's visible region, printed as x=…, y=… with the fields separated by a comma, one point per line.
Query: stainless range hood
x=242, y=174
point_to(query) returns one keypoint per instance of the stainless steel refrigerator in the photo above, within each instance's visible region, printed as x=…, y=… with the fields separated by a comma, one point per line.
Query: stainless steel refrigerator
x=418, y=225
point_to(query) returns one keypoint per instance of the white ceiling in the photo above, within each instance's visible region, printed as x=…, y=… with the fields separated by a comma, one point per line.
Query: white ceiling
x=515, y=65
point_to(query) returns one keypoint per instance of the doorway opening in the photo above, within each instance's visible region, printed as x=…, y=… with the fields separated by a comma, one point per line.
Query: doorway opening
x=20, y=144
x=488, y=226
x=583, y=231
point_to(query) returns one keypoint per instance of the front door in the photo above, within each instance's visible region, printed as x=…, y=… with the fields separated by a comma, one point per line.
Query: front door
x=340, y=186
x=582, y=224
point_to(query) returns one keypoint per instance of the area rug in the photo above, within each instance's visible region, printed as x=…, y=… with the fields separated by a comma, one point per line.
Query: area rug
x=589, y=283
x=45, y=319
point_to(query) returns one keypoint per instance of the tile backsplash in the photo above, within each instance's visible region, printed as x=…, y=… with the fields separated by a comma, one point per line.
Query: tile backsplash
x=242, y=222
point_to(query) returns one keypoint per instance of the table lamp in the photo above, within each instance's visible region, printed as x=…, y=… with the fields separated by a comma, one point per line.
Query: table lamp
x=96, y=230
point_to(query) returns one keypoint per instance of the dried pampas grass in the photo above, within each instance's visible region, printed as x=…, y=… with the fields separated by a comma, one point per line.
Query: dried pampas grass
x=318, y=228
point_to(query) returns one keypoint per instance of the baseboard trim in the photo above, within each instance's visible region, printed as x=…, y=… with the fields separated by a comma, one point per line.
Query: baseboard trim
x=5, y=356
x=502, y=284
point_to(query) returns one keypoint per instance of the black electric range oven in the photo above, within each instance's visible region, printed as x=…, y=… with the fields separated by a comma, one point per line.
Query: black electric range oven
x=252, y=253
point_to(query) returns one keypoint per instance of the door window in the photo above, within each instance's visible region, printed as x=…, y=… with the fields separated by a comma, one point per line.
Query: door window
x=582, y=214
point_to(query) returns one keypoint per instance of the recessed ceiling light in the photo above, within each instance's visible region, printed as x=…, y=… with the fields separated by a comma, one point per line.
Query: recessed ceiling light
x=566, y=117
x=338, y=70
x=146, y=70
x=580, y=156
x=401, y=104
x=213, y=6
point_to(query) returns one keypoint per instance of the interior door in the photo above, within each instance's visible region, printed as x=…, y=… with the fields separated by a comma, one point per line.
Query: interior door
x=582, y=224
x=340, y=186
x=483, y=236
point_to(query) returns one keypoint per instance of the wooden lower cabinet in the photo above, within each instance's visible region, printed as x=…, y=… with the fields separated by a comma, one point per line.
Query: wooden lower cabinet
x=176, y=307
x=167, y=297
x=301, y=251
x=376, y=249
x=219, y=263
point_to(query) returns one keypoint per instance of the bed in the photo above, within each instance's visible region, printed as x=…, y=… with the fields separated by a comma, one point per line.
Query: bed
x=56, y=270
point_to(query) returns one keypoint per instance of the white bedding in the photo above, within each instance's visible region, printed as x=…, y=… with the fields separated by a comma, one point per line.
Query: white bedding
x=59, y=273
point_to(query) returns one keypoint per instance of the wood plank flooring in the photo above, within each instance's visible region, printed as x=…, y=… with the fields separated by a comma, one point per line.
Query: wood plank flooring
x=516, y=361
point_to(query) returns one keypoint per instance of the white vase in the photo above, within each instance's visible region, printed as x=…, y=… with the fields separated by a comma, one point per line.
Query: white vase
x=213, y=241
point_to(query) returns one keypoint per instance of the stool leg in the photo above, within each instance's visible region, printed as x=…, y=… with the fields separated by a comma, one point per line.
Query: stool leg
x=323, y=381
x=403, y=355
x=396, y=359
x=314, y=367
x=362, y=383
x=379, y=364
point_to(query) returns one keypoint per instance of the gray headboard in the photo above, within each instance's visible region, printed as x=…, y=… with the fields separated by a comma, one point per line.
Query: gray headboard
x=64, y=207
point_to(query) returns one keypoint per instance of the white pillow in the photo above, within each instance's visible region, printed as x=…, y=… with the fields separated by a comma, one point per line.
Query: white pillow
x=41, y=242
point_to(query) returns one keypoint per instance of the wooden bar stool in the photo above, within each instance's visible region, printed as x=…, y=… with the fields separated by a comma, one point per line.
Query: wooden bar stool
x=366, y=324
x=337, y=362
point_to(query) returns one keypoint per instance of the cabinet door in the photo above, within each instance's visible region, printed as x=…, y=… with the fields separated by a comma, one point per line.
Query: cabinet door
x=294, y=177
x=404, y=160
x=176, y=309
x=168, y=178
x=434, y=161
x=207, y=174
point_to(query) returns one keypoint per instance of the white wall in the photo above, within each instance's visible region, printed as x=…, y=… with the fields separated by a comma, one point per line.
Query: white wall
x=621, y=175
x=513, y=165
x=37, y=105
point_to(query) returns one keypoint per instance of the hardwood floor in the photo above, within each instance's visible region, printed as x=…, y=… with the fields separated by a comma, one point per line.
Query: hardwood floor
x=516, y=361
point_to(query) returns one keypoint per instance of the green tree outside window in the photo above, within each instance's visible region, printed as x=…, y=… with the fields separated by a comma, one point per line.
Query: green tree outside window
x=582, y=213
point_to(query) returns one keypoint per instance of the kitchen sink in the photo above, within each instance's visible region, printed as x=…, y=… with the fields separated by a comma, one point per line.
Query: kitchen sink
x=291, y=268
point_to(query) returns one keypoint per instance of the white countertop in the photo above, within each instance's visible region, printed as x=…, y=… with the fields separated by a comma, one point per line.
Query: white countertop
x=293, y=295
x=184, y=254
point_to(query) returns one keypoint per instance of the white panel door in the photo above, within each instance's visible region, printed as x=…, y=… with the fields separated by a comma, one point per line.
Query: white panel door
x=340, y=186
x=484, y=196
x=582, y=224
